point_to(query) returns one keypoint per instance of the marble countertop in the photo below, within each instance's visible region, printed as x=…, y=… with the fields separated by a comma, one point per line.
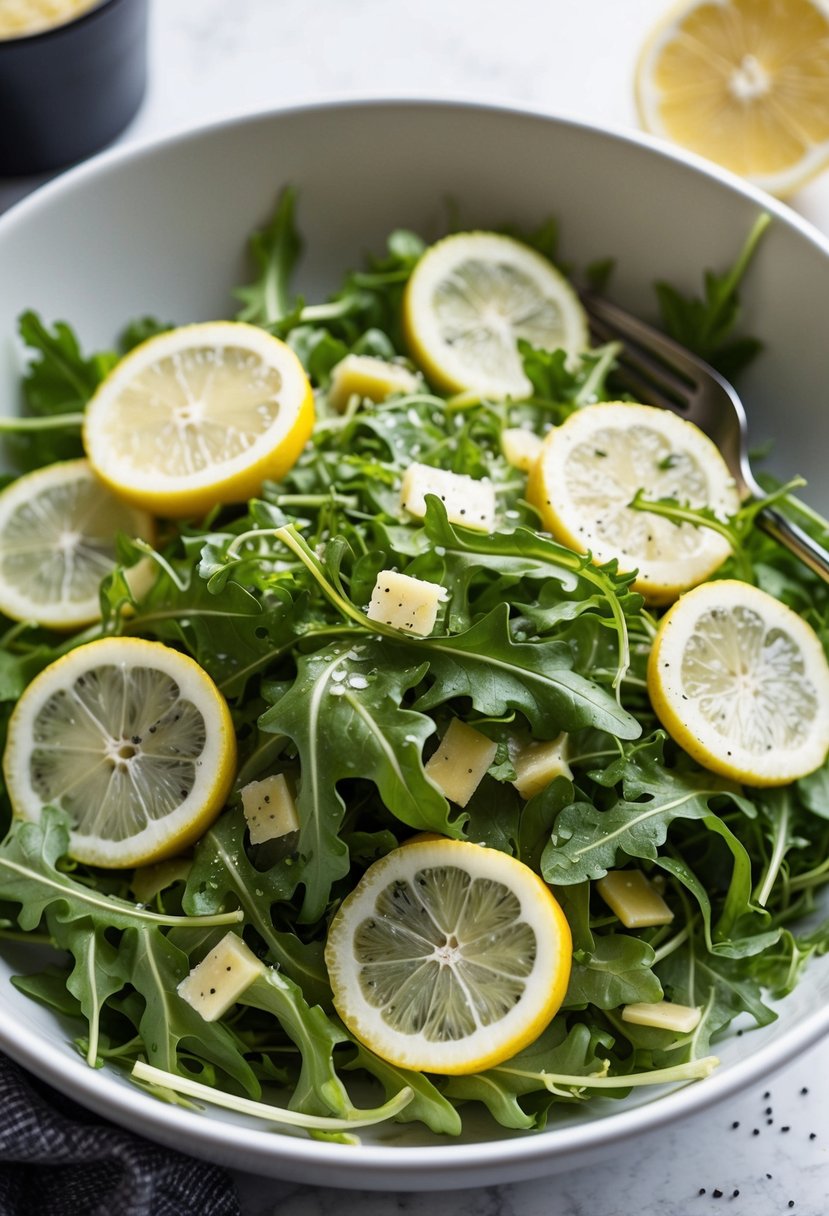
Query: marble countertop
x=768, y=1152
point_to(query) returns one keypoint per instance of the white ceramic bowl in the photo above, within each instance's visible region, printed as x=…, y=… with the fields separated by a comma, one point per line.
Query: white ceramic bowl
x=163, y=230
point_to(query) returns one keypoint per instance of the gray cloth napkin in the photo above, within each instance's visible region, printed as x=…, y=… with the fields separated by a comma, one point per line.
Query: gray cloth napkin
x=57, y=1159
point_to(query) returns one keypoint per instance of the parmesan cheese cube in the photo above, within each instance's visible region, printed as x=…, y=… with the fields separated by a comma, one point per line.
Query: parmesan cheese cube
x=459, y=764
x=367, y=377
x=405, y=602
x=220, y=978
x=269, y=808
x=537, y=764
x=663, y=1015
x=634, y=899
x=467, y=501
x=521, y=448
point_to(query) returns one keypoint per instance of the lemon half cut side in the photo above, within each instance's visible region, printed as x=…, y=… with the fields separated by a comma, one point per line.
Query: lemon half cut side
x=133, y=740
x=58, y=530
x=744, y=83
x=468, y=301
x=742, y=684
x=199, y=415
x=448, y=957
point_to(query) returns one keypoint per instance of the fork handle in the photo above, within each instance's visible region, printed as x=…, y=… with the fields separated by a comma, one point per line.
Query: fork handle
x=798, y=542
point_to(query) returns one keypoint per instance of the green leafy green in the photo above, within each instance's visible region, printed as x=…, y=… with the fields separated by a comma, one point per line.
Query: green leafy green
x=531, y=640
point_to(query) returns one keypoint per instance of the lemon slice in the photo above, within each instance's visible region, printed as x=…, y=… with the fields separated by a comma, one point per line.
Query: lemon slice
x=58, y=527
x=745, y=83
x=590, y=469
x=448, y=957
x=471, y=297
x=742, y=684
x=198, y=416
x=133, y=740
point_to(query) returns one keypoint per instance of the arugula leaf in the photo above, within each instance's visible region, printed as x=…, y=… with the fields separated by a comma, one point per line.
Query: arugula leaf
x=59, y=381
x=536, y=678
x=345, y=716
x=230, y=635
x=319, y=1089
x=29, y=876
x=275, y=251
x=704, y=324
x=558, y=1050
x=428, y=1106
x=222, y=875
x=150, y=962
x=587, y=841
x=617, y=972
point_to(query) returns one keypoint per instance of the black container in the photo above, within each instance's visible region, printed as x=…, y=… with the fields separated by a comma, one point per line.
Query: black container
x=68, y=90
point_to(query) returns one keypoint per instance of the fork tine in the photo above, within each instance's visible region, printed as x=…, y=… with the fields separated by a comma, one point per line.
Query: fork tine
x=646, y=391
x=645, y=375
x=623, y=325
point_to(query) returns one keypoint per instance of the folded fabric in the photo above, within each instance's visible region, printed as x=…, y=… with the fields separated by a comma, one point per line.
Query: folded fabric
x=57, y=1159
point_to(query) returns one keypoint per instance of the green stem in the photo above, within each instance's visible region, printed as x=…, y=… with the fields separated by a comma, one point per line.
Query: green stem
x=737, y=271
x=263, y=1110
x=672, y=944
x=587, y=393
x=811, y=878
x=679, y=514
x=55, y=422
x=693, y=1070
x=120, y=907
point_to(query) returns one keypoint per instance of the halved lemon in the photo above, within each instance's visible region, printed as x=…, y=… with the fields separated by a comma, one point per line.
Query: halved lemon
x=745, y=83
x=590, y=469
x=471, y=297
x=448, y=957
x=58, y=527
x=742, y=684
x=198, y=416
x=133, y=740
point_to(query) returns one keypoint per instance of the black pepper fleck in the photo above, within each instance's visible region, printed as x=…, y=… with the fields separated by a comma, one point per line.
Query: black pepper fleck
x=716, y=1193
x=786, y=1128
x=735, y=1124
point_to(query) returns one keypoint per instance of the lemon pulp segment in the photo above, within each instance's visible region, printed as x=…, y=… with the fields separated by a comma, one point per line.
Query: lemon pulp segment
x=58, y=528
x=745, y=83
x=469, y=300
x=448, y=957
x=590, y=469
x=198, y=416
x=132, y=740
x=742, y=684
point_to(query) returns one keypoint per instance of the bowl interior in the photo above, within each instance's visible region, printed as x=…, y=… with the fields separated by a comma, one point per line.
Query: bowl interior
x=163, y=231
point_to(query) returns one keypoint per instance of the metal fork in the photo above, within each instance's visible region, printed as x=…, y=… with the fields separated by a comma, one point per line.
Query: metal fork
x=658, y=371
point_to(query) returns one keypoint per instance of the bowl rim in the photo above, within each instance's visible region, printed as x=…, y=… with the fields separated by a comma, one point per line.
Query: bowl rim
x=448, y=1163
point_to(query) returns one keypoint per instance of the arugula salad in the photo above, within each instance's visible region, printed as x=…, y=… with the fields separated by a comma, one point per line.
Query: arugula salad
x=358, y=770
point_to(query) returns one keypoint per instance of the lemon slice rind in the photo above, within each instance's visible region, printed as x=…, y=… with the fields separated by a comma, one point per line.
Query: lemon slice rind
x=96, y=733
x=590, y=469
x=444, y=941
x=469, y=299
x=199, y=415
x=58, y=526
x=742, y=684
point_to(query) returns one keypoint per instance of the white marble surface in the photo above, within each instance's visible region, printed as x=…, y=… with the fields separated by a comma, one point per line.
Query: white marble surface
x=211, y=59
